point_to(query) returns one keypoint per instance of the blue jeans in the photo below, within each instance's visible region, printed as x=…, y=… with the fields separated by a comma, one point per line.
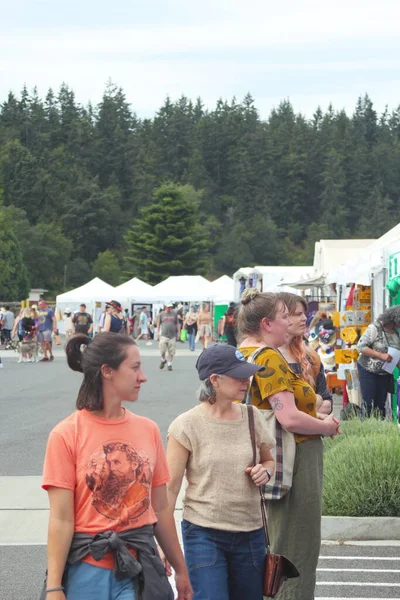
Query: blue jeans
x=192, y=340
x=224, y=565
x=7, y=334
x=87, y=582
x=374, y=390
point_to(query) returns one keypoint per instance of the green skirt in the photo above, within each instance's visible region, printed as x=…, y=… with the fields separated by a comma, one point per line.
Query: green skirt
x=294, y=521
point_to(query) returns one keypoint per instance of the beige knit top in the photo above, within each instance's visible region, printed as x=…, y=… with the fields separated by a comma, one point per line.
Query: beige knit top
x=220, y=494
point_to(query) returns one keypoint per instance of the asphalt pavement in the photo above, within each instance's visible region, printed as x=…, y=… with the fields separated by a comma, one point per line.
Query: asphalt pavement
x=34, y=397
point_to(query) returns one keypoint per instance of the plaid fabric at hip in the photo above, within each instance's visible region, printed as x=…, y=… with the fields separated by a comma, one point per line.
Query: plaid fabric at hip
x=285, y=449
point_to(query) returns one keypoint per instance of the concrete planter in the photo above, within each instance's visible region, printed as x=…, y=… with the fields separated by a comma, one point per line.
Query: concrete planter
x=360, y=528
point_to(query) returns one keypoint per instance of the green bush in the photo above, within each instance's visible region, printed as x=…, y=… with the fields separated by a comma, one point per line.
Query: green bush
x=362, y=470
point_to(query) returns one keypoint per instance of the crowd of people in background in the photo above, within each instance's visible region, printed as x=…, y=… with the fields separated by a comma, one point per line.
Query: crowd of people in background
x=194, y=323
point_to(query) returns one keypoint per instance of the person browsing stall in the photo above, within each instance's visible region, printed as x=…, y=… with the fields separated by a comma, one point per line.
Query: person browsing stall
x=373, y=346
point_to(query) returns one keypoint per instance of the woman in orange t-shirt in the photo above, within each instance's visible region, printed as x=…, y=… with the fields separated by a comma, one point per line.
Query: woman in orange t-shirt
x=105, y=473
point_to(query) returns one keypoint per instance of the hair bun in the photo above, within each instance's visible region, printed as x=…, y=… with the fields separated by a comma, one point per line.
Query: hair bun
x=74, y=351
x=249, y=295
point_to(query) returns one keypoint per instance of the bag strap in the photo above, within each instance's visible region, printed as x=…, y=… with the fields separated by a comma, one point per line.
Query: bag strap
x=252, y=359
x=250, y=413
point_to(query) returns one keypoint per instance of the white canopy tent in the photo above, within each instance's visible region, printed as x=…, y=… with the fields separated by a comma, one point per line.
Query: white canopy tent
x=223, y=288
x=182, y=288
x=93, y=294
x=370, y=268
x=95, y=290
x=329, y=255
x=272, y=279
x=133, y=290
x=373, y=258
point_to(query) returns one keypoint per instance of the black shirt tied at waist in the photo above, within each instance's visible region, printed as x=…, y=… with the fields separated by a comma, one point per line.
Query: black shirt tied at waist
x=152, y=582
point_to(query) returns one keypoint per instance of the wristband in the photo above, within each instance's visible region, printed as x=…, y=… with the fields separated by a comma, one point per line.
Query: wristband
x=58, y=588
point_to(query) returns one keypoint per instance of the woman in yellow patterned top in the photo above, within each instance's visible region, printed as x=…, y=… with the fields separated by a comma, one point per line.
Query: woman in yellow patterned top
x=294, y=519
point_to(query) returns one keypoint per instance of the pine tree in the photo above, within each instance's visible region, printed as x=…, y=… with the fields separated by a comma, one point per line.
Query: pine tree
x=46, y=251
x=166, y=239
x=14, y=282
x=334, y=210
x=106, y=266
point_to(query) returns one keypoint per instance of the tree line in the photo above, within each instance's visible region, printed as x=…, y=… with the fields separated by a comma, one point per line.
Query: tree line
x=96, y=190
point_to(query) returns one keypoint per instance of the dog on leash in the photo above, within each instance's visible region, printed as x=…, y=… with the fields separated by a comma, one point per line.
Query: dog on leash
x=28, y=347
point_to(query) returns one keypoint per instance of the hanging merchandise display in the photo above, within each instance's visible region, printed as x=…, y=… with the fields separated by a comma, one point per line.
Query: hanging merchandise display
x=393, y=287
x=352, y=323
x=322, y=335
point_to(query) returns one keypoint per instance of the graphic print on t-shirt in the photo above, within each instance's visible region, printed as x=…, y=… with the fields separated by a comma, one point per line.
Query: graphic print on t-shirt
x=82, y=322
x=119, y=477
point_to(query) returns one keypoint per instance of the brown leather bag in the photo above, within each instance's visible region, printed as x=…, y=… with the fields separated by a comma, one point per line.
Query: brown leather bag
x=277, y=568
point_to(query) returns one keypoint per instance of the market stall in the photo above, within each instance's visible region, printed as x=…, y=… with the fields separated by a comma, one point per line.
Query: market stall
x=182, y=288
x=329, y=256
x=132, y=293
x=272, y=279
x=94, y=294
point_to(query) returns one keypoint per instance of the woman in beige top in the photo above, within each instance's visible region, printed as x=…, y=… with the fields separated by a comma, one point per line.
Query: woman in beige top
x=222, y=525
x=204, y=325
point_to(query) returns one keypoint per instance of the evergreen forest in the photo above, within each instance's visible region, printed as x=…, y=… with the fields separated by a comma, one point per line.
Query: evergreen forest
x=96, y=191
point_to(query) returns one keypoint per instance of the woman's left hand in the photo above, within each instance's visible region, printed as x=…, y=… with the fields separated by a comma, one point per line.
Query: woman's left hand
x=258, y=474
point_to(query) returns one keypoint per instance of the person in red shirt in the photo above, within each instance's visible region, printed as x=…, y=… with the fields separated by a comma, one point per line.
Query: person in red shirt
x=105, y=473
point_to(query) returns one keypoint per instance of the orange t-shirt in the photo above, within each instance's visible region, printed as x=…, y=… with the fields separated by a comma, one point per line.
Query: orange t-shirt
x=111, y=465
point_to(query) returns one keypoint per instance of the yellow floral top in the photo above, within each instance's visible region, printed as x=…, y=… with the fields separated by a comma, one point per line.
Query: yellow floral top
x=279, y=377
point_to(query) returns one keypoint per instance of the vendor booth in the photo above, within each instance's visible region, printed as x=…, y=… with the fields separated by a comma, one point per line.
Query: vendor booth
x=182, y=288
x=367, y=284
x=94, y=294
x=134, y=295
x=187, y=289
x=272, y=279
x=133, y=292
x=329, y=255
x=393, y=287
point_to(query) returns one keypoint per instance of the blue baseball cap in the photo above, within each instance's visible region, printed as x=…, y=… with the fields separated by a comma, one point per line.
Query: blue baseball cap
x=222, y=359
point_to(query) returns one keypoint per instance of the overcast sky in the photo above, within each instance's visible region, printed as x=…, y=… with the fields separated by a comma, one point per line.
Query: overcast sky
x=311, y=52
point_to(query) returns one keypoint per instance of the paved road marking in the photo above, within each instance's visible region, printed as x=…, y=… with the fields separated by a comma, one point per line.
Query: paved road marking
x=322, y=557
x=361, y=570
x=359, y=583
x=6, y=544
